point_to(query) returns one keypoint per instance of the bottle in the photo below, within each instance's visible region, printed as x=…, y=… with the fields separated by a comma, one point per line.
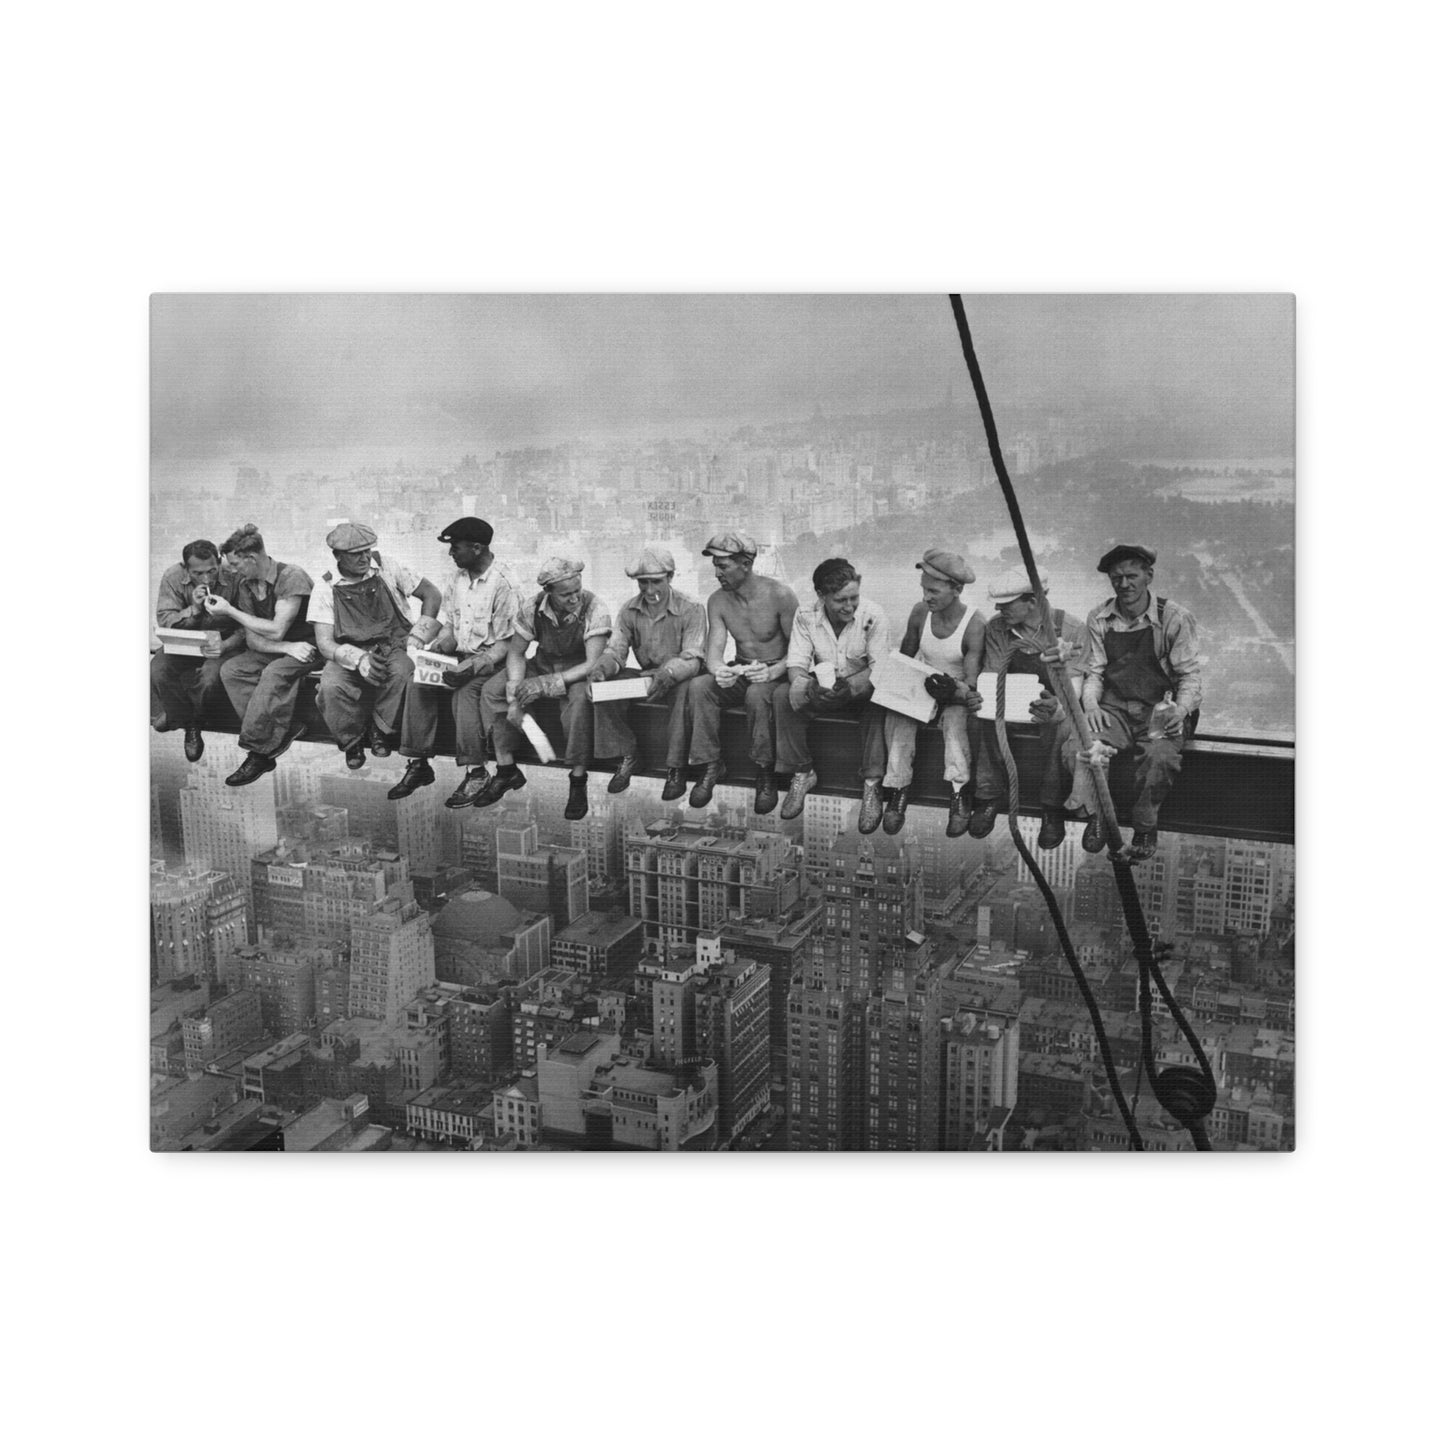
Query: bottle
x=1164, y=713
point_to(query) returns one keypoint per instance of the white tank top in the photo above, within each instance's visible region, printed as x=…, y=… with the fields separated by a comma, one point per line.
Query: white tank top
x=945, y=654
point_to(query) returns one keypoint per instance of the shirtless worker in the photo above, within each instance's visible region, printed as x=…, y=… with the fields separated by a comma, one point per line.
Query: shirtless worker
x=947, y=634
x=757, y=613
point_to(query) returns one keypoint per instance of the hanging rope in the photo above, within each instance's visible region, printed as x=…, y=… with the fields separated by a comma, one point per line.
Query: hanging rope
x=1187, y=1094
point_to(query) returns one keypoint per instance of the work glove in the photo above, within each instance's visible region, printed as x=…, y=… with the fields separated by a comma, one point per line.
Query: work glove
x=1046, y=709
x=553, y=685
x=459, y=676
x=941, y=687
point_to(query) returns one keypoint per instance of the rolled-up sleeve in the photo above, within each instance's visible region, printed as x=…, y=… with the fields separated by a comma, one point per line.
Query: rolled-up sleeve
x=599, y=620
x=694, y=638
x=1095, y=659
x=506, y=605
x=614, y=655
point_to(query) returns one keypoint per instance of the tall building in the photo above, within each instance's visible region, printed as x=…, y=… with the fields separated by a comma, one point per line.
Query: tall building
x=409, y=826
x=284, y=979
x=599, y=943
x=980, y=1075
x=732, y=1028
x=314, y=893
x=477, y=837
x=824, y=818
x=198, y=918
x=228, y=1023
x=599, y=837
x=1254, y=883
x=541, y=878
x=1058, y=865
x=391, y=958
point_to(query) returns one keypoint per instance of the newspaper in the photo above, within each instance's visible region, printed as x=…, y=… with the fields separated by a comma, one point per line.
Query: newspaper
x=898, y=686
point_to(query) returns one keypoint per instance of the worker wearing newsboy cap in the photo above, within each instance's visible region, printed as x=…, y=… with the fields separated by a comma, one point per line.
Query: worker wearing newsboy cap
x=1142, y=649
x=666, y=632
x=363, y=624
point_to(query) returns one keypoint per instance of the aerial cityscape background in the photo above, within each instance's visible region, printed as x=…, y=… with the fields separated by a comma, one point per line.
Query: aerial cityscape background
x=332, y=969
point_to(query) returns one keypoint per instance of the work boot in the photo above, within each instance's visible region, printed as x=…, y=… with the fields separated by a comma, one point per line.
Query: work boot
x=1146, y=840
x=469, y=789
x=619, y=781
x=798, y=790
x=502, y=782
x=896, y=810
x=418, y=774
x=981, y=820
x=701, y=794
x=254, y=767
x=576, y=800
x=958, y=814
x=382, y=746
x=765, y=794
x=1051, y=830
x=676, y=784
x=356, y=755
x=1094, y=839
x=870, y=814
x=195, y=745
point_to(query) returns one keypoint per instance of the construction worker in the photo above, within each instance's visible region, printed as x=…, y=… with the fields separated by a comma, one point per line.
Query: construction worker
x=264, y=680
x=570, y=627
x=1141, y=648
x=666, y=631
x=947, y=634
x=757, y=613
x=183, y=688
x=836, y=642
x=1013, y=643
x=478, y=609
x=363, y=624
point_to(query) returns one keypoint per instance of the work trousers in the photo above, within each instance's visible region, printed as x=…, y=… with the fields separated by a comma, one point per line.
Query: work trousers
x=901, y=735
x=423, y=706
x=265, y=690
x=991, y=784
x=795, y=755
x=182, y=688
x=1157, y=761
x=614, y=737
x=576, y=750
x=347, y=701
x=767, y=740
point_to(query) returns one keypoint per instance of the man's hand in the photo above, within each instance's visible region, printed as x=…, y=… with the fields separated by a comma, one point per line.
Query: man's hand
x=211, y=647
x=971, y=698
x=598, y=674
x=528, y=691
x=940, y=687
x=301, y=651
x=424, y=631
x=368, y=668
x=661, y=681
x=1174, y=728
x=460, y=675
x=1046, y=708
x=725, y=676
x=1061, y=652
x=218, y=606
x=801, y=692
x=1097, y=718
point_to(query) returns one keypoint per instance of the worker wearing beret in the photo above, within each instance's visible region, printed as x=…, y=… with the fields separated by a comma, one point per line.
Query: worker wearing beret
x=666, y=631
x=947, y=634
x=479, y=604
x=570, y=627
x=1141, y=647
x=1013, y=644
x=363, y=624
x=757, y=613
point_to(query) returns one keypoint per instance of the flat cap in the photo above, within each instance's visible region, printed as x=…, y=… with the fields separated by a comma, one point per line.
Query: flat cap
x=559, y=569
x=468, y=529
x=730, y=544
x=651, y=562
x=350, y=537
x=1127, y=551
x=1014, y=584
x=950, y=566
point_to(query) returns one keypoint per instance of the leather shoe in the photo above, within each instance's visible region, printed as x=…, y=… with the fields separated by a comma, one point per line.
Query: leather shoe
x=619, y=781
x=356, y=756
x=765, y=796
x=469, y=789
x=675, y=786
x=499, y=785
x=576, y=800
x=254, y=767
x=871, y=813
x=1094, y=839
x=798, y=790
x=701, y=794
x=958, y=814
x=1146, y=840
x=896, y=811
x=195, y=745
x=417, y=775
x=380, y=747
x=1051, y=830
x=981, y=820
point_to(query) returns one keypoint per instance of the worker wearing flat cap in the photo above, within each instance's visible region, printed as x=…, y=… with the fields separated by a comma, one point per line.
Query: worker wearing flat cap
x=479, y=603
x=1013, y=643
x=666, y=632
x=1143, y=650
x=363, y=623
x=757, y=613
x=570, y=626
x=947, y=634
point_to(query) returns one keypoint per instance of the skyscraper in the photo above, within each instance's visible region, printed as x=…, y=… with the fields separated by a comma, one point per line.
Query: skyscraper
x=391, y=957
x=198, y=918
x=980, y=1074
x=541, y=878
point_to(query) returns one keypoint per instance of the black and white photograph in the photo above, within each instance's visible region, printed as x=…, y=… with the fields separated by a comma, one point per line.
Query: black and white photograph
x=722, y=722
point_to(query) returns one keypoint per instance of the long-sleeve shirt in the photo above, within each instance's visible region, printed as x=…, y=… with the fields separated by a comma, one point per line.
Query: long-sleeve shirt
x=478, y=613
x=1002, y=642
x=678, y=637
x=1176, y=645
x=173, y=602
x=862, y=644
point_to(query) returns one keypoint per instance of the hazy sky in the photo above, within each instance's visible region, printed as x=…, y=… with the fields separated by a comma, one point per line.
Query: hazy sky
x=236, y=375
